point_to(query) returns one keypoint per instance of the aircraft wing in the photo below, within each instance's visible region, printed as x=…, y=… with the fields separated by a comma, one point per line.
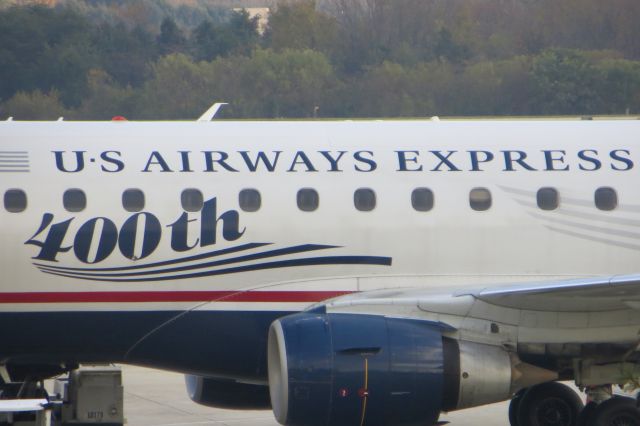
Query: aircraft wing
x=582, y=295
x=586, y=295
x=602, y=310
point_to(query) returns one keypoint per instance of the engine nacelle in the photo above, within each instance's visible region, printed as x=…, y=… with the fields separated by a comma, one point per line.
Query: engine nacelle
x=366, y=369
x=222, y=393
x=477, y=374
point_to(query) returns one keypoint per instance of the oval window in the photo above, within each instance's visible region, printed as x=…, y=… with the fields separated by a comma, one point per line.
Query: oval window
x=308, y=199
x=480, y=199
x=191, y=200
x=133, y=200
x=15, y=201
x=422, y=199
x=249, y=200
x=364, y=199
x=606, y=198
x=547, y=198
x=74, y=200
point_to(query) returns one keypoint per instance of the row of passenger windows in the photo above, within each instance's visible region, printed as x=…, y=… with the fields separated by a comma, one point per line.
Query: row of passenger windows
x=605, y=198
x=308, y=199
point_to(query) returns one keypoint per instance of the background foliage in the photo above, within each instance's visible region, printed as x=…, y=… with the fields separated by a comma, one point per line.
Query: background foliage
x=148, y=59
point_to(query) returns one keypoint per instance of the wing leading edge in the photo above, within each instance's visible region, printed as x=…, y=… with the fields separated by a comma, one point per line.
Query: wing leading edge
x=581, y=295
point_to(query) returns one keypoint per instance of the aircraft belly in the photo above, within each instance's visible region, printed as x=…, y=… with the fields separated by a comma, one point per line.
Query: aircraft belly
x=229, y=343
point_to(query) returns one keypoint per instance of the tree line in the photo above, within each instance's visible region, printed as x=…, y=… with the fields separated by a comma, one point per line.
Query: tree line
x=337, y=58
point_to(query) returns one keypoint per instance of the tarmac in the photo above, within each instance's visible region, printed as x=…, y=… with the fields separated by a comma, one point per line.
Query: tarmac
x=159, y=398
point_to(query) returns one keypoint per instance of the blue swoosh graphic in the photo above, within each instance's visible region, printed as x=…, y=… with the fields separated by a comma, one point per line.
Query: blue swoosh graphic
x=270, y=253
x=312, y=261
x=207, y=255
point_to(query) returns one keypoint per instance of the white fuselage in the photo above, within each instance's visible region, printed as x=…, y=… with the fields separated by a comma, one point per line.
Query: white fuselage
x=393, y=245
x=451, y=242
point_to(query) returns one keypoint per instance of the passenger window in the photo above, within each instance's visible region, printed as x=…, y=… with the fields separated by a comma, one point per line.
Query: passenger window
x=548, y=198
x=422, y=199
x=133, y=200
x=191, y=200
x=364, y=199
x=606, y=198
x=15, y=200
x=249, y=200
x=480, y=199
x=74, y=200
x=308, y=199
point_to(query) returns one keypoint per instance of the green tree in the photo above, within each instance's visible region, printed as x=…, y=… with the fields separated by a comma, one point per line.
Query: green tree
x=290, y=83
x=126, y=55
x=374, y=31
x=105, y=99
x=294, y=83
x=171, y=38
x=207, y=42
x=244, y=32
x=179, y=89
x=42, y=49
x=565, y=83
x=446, y=47
x=238, y=36
x=300, y=26
x=619, y=86
x=34, y=106
x=394, y=90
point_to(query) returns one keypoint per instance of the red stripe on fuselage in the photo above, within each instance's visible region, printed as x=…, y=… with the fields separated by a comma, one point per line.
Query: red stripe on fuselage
x=169, y=296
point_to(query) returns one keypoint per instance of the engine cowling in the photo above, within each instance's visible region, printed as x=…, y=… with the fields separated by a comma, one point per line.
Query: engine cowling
x=221, y=393
x=340, y=368
x=365, y=369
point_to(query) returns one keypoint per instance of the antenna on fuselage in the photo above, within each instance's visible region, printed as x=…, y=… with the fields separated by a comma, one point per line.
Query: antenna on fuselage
x=212, y=111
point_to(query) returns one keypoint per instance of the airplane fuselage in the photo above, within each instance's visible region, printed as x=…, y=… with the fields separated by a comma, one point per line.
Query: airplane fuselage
x=280, y=215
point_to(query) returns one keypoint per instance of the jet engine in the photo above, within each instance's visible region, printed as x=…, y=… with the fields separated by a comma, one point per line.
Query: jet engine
x=221, y=393
x=365, y=369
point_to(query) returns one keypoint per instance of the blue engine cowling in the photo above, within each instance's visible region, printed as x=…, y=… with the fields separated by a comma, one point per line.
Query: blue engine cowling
x=222, y=393
x=334, y=369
